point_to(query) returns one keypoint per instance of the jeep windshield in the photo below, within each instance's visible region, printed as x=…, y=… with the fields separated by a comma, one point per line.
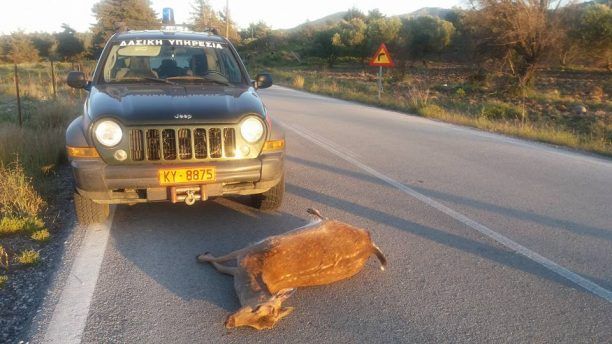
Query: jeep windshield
x=171, y=61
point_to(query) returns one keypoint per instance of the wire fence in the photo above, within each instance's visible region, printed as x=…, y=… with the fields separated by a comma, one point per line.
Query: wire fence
x=40, y=81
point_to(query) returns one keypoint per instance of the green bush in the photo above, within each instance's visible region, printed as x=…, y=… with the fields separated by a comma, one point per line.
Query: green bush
x=40, y=235
x=11, y=225
x=497, y=110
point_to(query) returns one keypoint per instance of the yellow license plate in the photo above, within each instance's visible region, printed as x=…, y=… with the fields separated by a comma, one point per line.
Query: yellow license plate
x=187, y=175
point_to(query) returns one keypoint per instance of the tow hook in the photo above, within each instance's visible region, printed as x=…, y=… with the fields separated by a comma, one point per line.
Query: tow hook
x=190, y=198
x=188, y=194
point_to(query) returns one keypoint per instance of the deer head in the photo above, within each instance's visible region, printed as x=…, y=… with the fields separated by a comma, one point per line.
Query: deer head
x=264, y=315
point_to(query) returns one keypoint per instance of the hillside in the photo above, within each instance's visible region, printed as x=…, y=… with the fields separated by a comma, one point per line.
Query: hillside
x=334, y=18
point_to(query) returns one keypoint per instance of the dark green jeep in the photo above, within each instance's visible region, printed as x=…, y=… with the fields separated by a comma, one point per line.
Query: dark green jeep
x=172, y=116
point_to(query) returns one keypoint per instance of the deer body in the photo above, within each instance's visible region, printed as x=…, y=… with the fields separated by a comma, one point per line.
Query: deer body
x=268, y=272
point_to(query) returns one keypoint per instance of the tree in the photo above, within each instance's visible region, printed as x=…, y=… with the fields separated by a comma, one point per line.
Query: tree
x=592, y=32
x=4, y=47
x=259, y=30
x=381, y=30
x=112, y=14
x=69, y=46
x=520, y=34
x=44, y=43
x=326, y=44
x=204, y=17
x=354, y=13
x=422, y=36
x=21, y=49
x=350, y=37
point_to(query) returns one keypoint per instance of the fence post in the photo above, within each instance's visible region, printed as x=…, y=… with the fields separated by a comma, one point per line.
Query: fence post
x=18, y=97
x=53, y=79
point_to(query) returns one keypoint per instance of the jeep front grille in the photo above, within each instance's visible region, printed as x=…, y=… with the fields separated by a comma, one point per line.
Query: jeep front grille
x=172, y=144
x=136, y=145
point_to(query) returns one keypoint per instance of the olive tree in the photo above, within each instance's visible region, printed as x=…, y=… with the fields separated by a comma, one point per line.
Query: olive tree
x=519, y=34
x=421, y=37
x=592, y=32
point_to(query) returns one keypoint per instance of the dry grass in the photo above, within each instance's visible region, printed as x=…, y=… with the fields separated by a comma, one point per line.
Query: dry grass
x=41, y=141
x=3, y=280
x=298, y=82
x=593, y=133
x=28, y=257
x=18, y=197
x=417, y=97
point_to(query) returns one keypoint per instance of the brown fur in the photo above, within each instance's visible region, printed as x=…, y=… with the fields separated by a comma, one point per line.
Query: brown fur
x=268, y=272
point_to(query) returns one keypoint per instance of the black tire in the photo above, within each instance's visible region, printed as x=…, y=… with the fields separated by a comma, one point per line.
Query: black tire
x=89, y=212
x=271, y=199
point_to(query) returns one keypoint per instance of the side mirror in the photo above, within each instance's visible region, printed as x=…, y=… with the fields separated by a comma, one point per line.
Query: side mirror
x=263, y=80
x=77, y=80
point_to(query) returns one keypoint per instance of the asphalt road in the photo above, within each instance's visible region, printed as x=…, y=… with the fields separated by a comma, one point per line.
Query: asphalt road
x=429, y=192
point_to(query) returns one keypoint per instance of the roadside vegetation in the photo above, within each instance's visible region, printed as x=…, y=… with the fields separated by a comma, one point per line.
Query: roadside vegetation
x=532, y=69
x=30, y=155
x=550, y=112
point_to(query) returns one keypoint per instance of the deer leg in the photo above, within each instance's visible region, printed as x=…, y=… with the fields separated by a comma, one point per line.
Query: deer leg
x=208, y=258
x=228, y=270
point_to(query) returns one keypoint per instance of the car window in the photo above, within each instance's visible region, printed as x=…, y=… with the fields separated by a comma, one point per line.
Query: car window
x=176, y=60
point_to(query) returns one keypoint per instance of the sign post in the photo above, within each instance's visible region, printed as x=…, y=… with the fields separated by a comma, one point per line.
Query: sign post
x=381, y=59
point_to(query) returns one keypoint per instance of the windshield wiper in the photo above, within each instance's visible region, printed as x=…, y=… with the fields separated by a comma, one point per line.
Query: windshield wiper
x=159, y=80
x=200, y=78
x=136, y=78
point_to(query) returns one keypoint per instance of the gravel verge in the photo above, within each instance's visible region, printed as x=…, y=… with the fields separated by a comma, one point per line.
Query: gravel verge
x=22, y=296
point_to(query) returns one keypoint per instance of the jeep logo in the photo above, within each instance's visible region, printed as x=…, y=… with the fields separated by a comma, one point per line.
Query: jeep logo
x=183, y=116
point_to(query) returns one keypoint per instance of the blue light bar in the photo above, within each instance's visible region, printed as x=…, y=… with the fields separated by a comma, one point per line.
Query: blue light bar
x=168, y=16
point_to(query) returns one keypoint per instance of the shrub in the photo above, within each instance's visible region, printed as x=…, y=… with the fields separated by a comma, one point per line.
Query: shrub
x=3, y=280
x=11, y=225
x=497, y=110
x=28, y=257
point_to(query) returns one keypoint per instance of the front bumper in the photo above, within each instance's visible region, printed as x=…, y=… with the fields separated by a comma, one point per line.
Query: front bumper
x=116, y=184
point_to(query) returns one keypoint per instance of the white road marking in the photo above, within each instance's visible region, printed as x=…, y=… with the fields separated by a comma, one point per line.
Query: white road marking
x=70, y=314
x=342, y=153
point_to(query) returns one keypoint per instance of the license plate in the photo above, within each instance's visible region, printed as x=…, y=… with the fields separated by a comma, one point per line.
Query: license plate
x=186, y=176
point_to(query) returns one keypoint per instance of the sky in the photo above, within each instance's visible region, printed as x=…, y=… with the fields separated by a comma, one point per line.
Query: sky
x=48, y=15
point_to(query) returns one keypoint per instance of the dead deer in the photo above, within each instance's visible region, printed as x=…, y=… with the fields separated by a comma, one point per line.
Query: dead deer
x=268, y=272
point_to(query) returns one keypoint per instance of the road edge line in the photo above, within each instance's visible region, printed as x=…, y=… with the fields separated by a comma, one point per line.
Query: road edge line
x=70, y=313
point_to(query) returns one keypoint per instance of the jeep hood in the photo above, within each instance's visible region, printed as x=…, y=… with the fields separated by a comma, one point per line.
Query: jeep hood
x=135, y=105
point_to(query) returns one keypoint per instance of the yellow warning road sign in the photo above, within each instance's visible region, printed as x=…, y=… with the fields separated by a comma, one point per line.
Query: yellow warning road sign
x=382, y=58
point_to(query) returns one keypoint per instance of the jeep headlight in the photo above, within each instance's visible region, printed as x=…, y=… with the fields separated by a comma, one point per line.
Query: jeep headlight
x=108, y=133
x=252, y=129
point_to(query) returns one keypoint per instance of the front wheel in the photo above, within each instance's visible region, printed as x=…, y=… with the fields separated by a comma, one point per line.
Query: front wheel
x=89, y=212
x=271, y=199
